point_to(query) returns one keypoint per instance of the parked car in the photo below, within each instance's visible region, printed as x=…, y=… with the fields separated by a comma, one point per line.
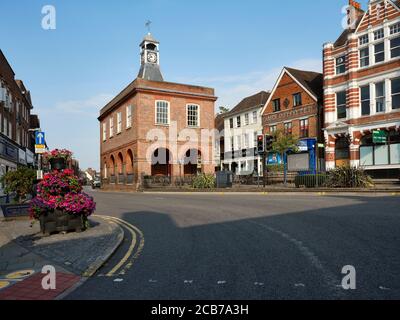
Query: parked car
x=96, y=183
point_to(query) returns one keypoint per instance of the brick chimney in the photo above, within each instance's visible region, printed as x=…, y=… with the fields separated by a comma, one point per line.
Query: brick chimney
x=354, y=12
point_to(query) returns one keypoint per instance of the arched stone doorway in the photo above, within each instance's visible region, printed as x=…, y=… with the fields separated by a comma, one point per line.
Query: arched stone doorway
x=192, y=160
x=121, y=169
x=161, y=163
x=129, y=167
x=112, y=169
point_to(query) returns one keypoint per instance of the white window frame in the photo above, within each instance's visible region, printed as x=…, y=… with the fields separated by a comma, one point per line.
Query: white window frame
x=111, y=121
x=379, y=34
x=104, y=131
x=394, y=28
x=255, y=117
x=246, y=119
x=129, y=116
x=390, y=47
x=379, y=52
x=365, y=58
x=119, y=122
x=246, y=141
x=380, y=98
x=156, y=112
x=197, y=125
x=363, y=40
x=337, y=65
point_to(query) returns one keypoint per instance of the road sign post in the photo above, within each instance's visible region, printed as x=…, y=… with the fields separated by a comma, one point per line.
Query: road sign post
x=40, y=148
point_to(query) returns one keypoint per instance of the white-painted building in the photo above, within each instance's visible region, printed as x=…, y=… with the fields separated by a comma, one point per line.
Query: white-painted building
x=242, y=125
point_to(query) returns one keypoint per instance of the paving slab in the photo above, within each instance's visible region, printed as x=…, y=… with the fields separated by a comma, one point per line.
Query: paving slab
x=24, y=251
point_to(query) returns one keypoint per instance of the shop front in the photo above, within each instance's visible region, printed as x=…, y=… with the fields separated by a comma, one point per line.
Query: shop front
x=380, y=153
x=305, y=159
x=8, y=157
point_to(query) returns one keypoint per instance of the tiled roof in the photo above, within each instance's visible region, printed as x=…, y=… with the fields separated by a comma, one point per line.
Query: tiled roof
x=256, y=101
x=312, y=81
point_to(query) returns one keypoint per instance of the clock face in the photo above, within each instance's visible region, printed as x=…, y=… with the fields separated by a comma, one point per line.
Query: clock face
x=151, y=57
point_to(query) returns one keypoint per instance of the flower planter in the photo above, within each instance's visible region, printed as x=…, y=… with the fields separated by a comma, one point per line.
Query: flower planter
x=58, y=164
x=15, y=210
x=59, y=221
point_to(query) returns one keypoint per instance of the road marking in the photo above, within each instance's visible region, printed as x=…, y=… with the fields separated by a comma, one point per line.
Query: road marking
x=383, y=288
x=329, y=278
x=297, y=285
x=4, y=284
x=133, y=231
x=20, y=274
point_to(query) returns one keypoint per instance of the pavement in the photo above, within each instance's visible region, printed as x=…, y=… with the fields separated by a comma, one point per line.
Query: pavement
x=24, y=251
x=261, y=246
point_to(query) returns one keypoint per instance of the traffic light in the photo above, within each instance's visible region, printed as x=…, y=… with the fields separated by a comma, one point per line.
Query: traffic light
x=260, y=144
x=269, y=140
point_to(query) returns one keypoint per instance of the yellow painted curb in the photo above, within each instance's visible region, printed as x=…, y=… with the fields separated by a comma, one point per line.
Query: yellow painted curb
x=133, y=230
x=20, y=274
x=4, y=284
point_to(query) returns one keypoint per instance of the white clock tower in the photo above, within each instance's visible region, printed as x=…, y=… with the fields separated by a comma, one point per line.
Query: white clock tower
x=150, y=59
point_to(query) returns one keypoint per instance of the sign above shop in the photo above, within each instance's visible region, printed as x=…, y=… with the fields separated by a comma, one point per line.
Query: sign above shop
x=379, y=136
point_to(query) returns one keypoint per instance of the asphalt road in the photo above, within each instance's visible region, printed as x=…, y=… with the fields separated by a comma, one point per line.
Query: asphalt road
x=201, y=246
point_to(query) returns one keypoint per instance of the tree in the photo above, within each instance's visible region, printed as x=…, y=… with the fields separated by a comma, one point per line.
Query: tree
x=223, y=110
x=282, y=144
x=19, y=182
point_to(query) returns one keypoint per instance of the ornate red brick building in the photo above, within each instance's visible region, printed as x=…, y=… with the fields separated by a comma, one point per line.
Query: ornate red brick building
x=362, y=90
x=154, y=128
x=295, y=107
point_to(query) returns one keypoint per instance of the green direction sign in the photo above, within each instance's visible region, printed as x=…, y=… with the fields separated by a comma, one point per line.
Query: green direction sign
x=379, y=136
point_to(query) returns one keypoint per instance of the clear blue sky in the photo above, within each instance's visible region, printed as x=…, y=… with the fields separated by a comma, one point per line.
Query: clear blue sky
x=237, y=47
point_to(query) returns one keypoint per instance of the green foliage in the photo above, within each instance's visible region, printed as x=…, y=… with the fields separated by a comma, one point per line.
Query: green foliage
x=275, y=168
x=223, y=110
x=204, y=181
x=348, y=177
x=19, y=182
x=283, y=142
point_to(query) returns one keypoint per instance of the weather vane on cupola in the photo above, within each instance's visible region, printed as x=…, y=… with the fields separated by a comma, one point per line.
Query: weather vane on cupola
x=148, y=25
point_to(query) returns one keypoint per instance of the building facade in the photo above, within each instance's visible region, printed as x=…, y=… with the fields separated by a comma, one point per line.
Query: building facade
x=242, y=126
x=362, y=91
x=295, y=107
x=155, y=128
x=16, y=146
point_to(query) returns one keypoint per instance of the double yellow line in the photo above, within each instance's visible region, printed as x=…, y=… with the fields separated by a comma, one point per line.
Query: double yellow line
x=131, y=254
